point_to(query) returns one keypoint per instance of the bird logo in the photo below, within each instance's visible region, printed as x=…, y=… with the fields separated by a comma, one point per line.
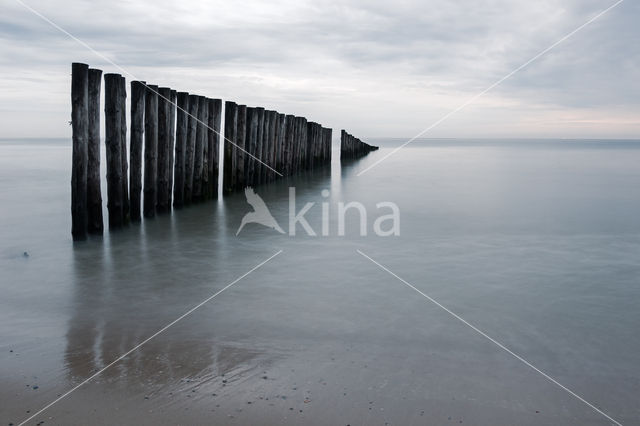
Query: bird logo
x=260, y=213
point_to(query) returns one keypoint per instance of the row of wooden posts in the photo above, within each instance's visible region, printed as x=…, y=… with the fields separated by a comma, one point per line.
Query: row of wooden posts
x=269, y=145
x=352, y=147
x=174, y=141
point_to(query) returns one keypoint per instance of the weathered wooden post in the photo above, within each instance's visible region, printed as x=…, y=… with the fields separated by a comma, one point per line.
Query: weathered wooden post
x=271, y=153
x=296, y=147
x=215, y=116
x=164, y=98
x=198, y=161
x=250, y=145
x=79, y=123
x=230, y=127
x=264, y=154
x=94, y=194
x=181, y=146
x=311, y=139
x=288, y=144
x=302, y=130
x=172, y=141
x=192, y=130
x=150, y=151
x=259, y=141
x=328, y=143
x=274, y=146
x=322, y=149
x=122, y=91
x=241, y=137
x=136, y=133
x=113, y=134
x=205, y=152
x=278, y=150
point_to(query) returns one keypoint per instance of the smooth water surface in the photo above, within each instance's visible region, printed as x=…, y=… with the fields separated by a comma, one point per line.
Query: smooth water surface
x=535, y=243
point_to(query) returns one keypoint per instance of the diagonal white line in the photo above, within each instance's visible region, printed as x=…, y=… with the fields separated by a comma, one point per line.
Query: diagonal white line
x=498, y=82
x=124, y=71
x=121, y=357
x=491, y=339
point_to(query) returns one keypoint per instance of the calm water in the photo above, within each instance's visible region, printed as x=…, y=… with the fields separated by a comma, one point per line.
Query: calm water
x=537, y=243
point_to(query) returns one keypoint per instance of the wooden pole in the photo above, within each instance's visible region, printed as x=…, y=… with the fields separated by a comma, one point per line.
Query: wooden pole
x=241, y=141
x=164, y=97
x=190, y=150
x=259, y=141
x=215, y=115
x=138, y=91
x=296, y=147
x=230, y=127
x=79, y=123
x=122, y=92
x=311, y=144
x=198, y=162
x=264, y=154
x=94, y=194
x=150, y=151
x=274, y=147
x=113, y=134
x=288, y=145
x=280, y=145
x=250, y=145
x=172, y=141
x=205, y=152
x=328, y=143
x=181, y=146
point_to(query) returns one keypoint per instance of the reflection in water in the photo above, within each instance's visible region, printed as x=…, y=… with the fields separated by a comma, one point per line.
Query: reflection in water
x=122, y=284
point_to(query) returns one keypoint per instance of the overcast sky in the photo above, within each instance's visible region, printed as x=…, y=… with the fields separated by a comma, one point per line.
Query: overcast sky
x=375, y=68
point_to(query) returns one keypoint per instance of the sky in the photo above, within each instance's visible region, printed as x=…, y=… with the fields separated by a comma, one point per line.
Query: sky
x=375, y=68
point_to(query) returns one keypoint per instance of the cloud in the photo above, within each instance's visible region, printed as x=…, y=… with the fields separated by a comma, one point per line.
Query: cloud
x=377, y=68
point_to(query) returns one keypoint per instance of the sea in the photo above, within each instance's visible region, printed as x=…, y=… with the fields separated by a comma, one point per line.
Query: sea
x=457, y=281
